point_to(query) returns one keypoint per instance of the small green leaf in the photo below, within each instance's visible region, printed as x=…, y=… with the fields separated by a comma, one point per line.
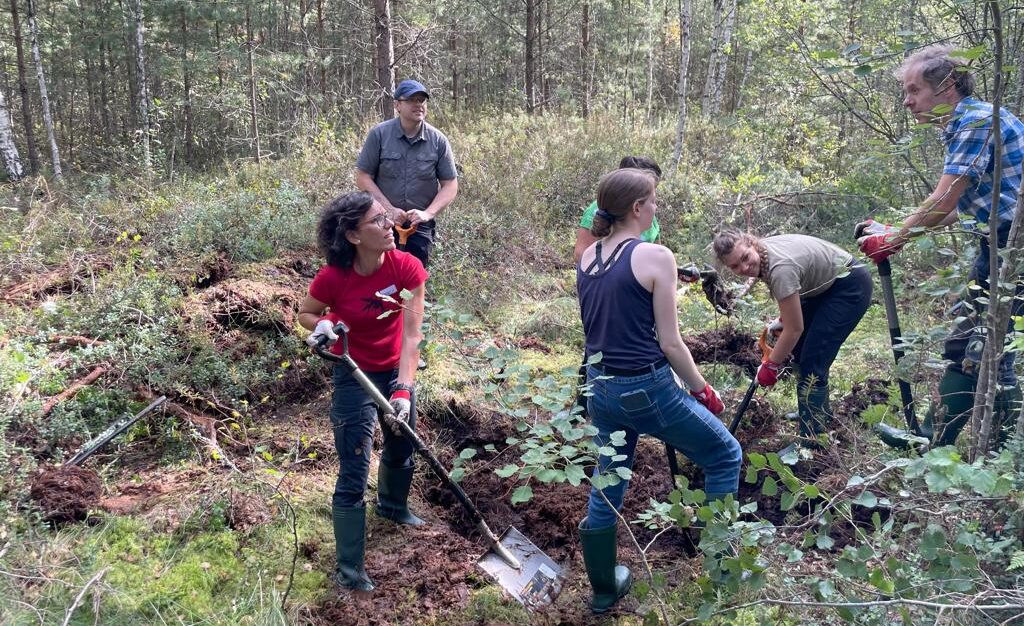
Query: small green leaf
x=467, y=454
x=770, y=486
x=522, y=494
x=866, y=499
x=507, y=471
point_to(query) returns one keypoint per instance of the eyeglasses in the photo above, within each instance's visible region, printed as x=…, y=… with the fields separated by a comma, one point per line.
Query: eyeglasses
x=381, y=220
x=419, y=100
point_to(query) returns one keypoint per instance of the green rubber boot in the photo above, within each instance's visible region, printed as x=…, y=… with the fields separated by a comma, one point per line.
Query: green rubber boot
x=813, y=409
x=393, y=495
x=608, y=580
x=1006, y=412
x=956, y=394
x=350, y=546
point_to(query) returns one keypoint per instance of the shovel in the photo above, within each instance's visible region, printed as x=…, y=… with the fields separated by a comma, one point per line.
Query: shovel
x=520, y=567
x=893, y=436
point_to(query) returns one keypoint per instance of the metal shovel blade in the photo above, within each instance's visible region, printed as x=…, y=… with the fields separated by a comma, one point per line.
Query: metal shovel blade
x=536, y=583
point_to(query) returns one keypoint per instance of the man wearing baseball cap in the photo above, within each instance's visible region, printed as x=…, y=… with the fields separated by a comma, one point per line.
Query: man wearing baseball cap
x=407, y=165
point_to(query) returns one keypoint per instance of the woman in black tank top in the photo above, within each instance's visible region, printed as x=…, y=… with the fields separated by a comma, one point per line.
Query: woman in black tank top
x=627, y=302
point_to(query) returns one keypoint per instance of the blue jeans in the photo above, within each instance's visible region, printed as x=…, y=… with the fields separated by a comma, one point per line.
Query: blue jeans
x=654, y=404
x=353, y=417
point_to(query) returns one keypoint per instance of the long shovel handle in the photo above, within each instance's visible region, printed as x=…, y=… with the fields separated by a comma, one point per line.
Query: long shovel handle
x=891, y=315
x=115, y=429
x=407, y=431
x=743, y=407
x=673, y=463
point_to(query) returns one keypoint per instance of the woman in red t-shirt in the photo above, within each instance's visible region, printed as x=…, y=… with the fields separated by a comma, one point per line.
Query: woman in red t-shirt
x=378, y=292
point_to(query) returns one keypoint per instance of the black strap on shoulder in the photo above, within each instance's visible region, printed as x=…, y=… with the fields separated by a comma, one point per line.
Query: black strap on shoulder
x=601, y=265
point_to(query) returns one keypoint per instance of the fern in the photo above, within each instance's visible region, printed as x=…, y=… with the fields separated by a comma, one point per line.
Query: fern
x=1017, y=560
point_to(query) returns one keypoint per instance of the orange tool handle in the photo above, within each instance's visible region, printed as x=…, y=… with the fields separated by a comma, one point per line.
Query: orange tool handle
x=404, y=232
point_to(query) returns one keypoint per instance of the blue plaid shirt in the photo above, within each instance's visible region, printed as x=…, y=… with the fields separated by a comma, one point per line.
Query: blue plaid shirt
x=969, y=146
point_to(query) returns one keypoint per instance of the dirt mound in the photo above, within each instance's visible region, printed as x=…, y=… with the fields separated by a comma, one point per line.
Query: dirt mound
x=247, y=511
x=66, y=493
x=423, y=572
x=725, y=345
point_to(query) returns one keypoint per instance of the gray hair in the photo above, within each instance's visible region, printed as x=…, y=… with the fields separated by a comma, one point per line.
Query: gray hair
x=937, y=64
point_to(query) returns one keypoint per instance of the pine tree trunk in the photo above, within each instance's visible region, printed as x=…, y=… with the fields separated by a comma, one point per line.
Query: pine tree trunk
x=26, y=103
x=684, y=72
x=585, y=61
x=186, y=71
x=649, y=99
x=143, y=89
x=44, y=99
x=321, y=59
x=384, y=59
x=531, y=61
x=254, y=129
x=8, y=149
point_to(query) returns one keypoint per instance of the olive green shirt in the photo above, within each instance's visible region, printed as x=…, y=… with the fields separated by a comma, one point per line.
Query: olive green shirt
x=803, y=264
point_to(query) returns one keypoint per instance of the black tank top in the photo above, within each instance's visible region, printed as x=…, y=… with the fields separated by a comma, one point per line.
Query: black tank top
x=618, y=312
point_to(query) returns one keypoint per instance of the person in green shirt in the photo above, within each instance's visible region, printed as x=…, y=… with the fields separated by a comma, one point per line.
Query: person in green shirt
x=583, y=237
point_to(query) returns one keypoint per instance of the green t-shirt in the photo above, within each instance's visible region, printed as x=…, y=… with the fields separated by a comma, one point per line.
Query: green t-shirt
x=650, y=235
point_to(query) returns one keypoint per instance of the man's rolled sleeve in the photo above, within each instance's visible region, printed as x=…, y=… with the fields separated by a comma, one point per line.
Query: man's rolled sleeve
x=369, y=156
x=446, y=162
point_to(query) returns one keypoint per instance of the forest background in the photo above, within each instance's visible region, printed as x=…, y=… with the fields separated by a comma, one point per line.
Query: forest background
x=163, y=165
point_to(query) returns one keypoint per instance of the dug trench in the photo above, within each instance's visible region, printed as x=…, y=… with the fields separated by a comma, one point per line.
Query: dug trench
x=431, y=570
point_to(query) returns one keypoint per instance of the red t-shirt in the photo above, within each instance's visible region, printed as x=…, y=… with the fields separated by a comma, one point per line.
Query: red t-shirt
x=375, y=344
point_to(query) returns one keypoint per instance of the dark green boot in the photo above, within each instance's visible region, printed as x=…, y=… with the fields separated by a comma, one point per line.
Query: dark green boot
x=956, y=395
x=350, y=545
x=393, y=495
x=813, y=409
x=608, y=580
x=1006, y=412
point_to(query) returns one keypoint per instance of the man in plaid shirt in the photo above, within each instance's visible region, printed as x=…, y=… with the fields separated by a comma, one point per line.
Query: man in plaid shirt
x=937, y=89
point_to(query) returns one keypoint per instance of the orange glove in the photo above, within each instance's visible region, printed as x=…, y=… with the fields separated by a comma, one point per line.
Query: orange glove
x=710, y=399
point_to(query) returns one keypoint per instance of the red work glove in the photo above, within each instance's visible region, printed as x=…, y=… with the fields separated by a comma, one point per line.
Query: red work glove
x=879, y=247
x=401, y=403
x=688, y=273
x=768, y=373
x=709, y=398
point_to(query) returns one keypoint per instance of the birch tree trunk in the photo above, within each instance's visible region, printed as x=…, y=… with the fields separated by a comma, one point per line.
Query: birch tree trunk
x=384, y=59
x=998, y=315
x=44, y=99
x=143, y=89
x=8, y=149
x=724, y=20
x=684, y=71
x=26, y=103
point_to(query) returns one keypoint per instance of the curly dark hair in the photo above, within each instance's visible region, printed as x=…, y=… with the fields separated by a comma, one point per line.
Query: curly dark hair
x=340, y=216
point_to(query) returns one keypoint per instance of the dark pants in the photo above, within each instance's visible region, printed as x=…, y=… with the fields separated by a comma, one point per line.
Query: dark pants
x=828, y=320
x=421, y=243
x=969, y=326
x=353, y=417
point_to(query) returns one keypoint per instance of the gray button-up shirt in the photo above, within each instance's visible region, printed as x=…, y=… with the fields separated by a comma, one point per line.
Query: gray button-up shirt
x=407, y=170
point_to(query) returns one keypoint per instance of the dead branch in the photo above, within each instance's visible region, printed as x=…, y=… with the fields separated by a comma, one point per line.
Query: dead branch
x=71, y=391
x=81, y=594
x=76, y=341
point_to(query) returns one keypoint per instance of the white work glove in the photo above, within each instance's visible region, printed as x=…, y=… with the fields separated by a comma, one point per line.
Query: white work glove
x=324, y=328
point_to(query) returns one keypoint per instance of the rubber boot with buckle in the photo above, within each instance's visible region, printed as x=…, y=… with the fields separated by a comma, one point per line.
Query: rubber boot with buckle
x=393, y=495
x=608, y=580
x=350, y=545
x=956, y=396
